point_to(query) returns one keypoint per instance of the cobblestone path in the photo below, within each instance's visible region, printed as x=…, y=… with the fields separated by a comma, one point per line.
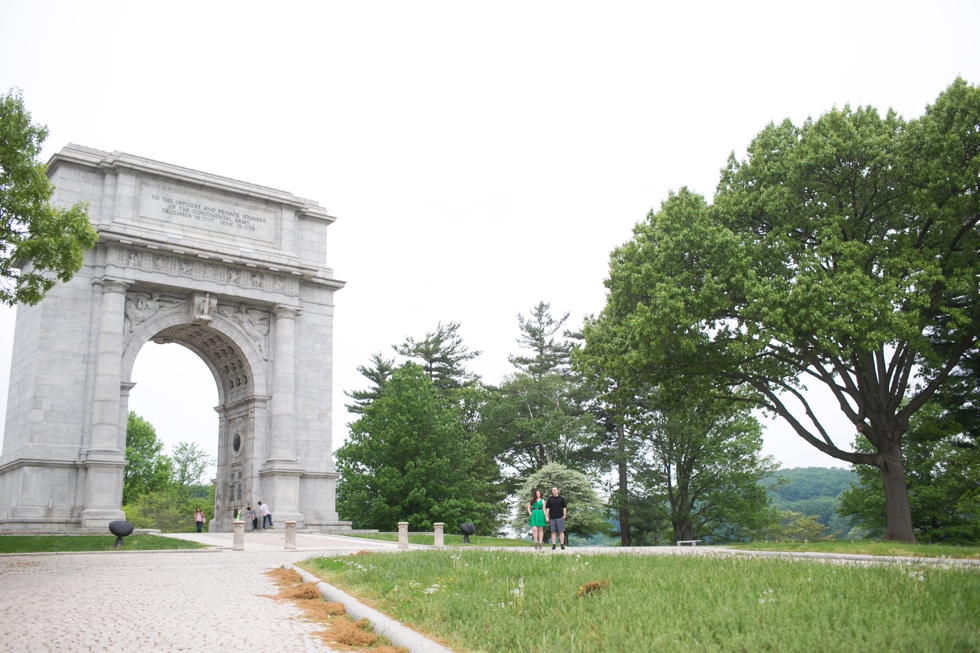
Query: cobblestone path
x=160, y=602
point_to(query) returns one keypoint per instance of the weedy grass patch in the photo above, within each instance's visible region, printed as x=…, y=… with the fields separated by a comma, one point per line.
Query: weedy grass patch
x=868, y=547
x=500, y=601
x=68, y=543
x=449, y=540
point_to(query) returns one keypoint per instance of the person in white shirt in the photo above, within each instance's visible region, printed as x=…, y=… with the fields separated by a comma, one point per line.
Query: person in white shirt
x=266, y=515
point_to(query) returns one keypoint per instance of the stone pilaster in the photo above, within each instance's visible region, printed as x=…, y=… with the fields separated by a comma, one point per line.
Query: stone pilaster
x=104, y=461
x=281, y=472
x=283, y=445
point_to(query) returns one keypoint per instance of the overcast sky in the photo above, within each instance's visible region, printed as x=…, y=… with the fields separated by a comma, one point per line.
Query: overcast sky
x=480, y=158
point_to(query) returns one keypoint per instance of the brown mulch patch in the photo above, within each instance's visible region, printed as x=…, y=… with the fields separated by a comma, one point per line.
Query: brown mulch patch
x=320, y=610
x=349, y=633
x=300, y=591
x=284, y=576
x=341, y=630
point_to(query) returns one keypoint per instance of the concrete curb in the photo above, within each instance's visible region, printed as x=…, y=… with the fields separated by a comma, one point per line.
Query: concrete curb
x=398, y=633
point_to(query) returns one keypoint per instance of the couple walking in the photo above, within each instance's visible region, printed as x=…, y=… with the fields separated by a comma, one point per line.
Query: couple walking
x=542, y=512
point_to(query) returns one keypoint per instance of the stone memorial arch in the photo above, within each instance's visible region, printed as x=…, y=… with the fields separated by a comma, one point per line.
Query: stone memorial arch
x=235, y=272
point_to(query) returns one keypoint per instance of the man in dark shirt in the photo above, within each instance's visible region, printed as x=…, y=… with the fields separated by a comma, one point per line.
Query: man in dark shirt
x=554, y=511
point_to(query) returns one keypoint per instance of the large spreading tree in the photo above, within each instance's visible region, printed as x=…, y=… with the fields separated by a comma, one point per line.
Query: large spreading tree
x=841, y=252
x=40, y=243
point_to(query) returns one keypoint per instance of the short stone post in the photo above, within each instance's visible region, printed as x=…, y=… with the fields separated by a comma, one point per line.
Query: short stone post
x=290, y=535
x=439, y=541
x=239, y=542
x=403, y=535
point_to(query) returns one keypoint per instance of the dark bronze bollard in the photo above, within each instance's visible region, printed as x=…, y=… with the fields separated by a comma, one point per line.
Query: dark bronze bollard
x=120, y=529
x=468, y=529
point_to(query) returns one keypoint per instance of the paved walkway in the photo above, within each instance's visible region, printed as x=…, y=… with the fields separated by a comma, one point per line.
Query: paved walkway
x=197, y=600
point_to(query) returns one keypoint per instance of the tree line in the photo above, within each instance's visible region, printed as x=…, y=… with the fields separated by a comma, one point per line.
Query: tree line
x=843, y=252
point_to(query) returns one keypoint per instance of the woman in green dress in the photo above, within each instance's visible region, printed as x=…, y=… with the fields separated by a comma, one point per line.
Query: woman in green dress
x=535, y=509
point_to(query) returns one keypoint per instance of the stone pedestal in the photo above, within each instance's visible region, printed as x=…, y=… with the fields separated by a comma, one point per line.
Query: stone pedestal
x=403, y=535
x=238, y=544
x=439, y=541
x=290, y=536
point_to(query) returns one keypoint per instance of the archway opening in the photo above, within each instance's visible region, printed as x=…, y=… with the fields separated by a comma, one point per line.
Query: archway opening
x=176, y=392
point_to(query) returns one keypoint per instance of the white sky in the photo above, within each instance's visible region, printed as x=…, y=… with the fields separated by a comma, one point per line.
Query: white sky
x=479, y=157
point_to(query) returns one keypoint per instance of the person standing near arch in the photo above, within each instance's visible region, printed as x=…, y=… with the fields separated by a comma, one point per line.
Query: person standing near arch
x=267, y=515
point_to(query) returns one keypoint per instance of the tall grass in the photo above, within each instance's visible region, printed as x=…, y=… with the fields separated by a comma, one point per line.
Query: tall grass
x=508, y=601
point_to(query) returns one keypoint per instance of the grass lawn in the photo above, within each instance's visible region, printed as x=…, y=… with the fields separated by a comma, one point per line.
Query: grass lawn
x=868, y=547
x=450, y=540
x=505, y=601
x=46, y=543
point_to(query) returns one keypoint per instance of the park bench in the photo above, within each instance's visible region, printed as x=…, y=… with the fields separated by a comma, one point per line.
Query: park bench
x=688, y=542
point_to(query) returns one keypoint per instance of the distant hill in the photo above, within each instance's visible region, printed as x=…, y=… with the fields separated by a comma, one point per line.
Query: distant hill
x=813, y=491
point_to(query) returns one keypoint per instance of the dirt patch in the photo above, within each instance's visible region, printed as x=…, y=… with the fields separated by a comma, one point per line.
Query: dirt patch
x=593, y=588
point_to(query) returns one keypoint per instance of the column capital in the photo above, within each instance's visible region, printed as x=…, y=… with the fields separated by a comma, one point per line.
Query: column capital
x=286, y=312
x=110, y=284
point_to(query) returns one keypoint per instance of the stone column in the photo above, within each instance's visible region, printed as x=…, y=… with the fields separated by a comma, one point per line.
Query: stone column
x=108, y=365
x=281, y=473
x=439, y=541
x=290, y=535
x=283, y=447
x=104, y=461
x=403, y=535
x=238, y=544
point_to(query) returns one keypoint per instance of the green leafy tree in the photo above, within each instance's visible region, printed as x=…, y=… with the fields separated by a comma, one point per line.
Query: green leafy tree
x=841, y=252
x=39, y=243
x=190, y=462
x=409, y=459
x=701, y=465
x=148, y=469
x=941, y=464
x=586, y=514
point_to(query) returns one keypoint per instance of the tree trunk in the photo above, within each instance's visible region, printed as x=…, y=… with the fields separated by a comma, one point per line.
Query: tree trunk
x=683, y=530
x=624, y=514
x=898, y=515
